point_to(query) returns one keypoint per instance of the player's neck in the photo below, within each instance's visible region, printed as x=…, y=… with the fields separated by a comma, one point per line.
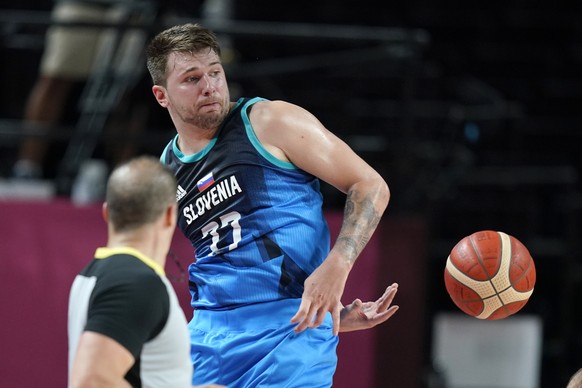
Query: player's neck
x=193, y=138
x=191, y=141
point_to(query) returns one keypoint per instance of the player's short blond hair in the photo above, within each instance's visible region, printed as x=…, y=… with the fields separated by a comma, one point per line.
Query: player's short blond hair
x=185, y=38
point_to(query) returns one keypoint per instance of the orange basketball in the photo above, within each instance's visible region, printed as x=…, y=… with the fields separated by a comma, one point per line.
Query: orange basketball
x=490, y=275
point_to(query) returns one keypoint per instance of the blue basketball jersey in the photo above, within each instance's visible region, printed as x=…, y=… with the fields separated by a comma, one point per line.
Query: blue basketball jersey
x=256, y=223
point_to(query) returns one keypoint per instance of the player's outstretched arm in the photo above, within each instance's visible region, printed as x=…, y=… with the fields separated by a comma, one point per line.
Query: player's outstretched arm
x=291, y=133
x=359, y=315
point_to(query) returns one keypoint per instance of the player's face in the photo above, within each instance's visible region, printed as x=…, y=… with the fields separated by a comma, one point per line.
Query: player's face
x=197, y=91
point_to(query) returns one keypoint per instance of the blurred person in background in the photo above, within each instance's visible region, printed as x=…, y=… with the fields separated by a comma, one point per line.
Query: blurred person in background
x=73, y=53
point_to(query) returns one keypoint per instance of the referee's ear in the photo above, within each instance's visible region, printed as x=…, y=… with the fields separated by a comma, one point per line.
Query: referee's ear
x=105, y=212
x=171, y=215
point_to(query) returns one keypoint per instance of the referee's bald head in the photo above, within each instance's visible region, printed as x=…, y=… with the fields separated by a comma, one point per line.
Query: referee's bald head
x=138, y=192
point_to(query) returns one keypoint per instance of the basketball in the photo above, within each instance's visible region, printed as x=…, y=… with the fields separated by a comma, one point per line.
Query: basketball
x=490, y=275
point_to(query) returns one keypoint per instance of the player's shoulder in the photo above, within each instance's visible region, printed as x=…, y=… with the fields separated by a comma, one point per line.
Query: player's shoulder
x=273, y=105
x=268, y=112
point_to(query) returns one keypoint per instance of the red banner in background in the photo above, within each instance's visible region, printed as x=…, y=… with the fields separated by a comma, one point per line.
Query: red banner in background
x=45, y=244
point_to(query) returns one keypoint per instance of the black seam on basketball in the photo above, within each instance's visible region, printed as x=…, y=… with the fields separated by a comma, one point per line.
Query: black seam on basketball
x=482, y=264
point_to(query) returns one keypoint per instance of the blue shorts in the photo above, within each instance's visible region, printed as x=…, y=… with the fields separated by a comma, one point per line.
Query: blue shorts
x=255, y=346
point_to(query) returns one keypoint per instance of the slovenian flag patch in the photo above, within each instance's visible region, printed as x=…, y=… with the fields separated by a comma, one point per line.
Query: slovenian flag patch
x=205, y=182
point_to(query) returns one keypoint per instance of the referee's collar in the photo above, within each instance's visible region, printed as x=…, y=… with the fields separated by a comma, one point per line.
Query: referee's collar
x=104, y=252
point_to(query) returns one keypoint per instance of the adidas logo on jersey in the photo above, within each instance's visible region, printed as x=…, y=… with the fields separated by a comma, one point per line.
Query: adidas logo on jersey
x=180, y=193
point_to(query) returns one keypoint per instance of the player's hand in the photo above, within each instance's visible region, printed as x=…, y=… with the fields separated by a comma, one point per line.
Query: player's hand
x=359, y=315
x=322, y=294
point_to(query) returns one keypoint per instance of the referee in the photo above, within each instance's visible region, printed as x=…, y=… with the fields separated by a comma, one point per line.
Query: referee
x=125, y=325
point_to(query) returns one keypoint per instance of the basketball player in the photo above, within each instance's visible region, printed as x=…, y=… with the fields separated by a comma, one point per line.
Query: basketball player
x=265, y=285
x=126, y=327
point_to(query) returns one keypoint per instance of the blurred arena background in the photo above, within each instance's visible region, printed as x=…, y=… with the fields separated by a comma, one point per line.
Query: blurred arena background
x=471, y=111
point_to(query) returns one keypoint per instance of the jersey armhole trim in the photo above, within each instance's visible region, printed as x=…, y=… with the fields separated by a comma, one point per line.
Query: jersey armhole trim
x=255, y=141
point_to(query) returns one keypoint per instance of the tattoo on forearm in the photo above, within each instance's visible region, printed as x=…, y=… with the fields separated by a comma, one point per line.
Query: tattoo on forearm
x=360, y=221
x=349, y=247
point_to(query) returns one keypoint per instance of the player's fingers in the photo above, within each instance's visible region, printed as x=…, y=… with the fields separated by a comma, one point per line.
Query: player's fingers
x=392, y=293
x=382, y=299
x=386, y=299
x=391, y=311
x=335, y=318
x=318, y=318
x=384, y=316
x=356, y=304
x=307, y=319
x=301, y=311
x=385, y=294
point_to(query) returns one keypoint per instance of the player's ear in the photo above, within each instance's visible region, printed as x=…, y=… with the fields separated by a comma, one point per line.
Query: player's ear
x=105, y=212
x=160, y=95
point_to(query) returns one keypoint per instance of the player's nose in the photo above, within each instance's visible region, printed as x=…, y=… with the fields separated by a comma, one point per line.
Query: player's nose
x=207, y=85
